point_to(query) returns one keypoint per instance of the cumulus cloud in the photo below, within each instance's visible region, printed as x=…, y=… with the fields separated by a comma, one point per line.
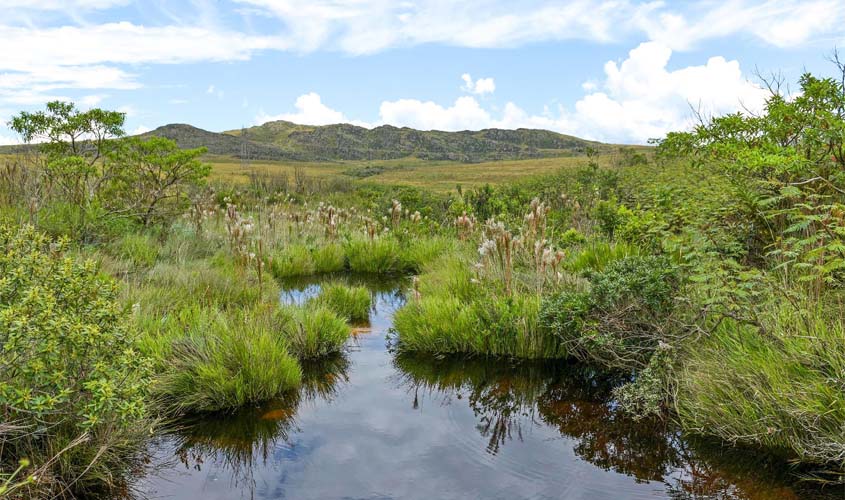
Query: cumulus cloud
x=637, y=99
x=481, y=86
x=310, y=110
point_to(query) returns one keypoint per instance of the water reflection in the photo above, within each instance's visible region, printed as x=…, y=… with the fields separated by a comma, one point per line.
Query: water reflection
x=241, y=441
x=375, y=424
x=576, y=400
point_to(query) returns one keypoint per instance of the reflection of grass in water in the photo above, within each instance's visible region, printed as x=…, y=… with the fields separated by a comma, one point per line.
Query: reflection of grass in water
x=500, y=394
x=239, y=441
x=576, y=400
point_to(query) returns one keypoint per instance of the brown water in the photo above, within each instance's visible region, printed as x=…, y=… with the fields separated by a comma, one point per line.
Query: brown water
x=371, y=424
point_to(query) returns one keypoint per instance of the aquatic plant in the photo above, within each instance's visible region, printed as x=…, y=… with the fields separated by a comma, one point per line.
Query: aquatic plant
x=351, y=303
x=223, y=361
x=311, y=332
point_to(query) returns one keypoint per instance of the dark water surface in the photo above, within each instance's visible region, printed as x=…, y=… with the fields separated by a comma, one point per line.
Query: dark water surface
x=371, y=424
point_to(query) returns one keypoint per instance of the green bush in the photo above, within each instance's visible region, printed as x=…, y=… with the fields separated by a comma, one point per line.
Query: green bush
x=351, y=303
x=221, y=361
x=312, y=332
x=621, y=320
x=68, y=367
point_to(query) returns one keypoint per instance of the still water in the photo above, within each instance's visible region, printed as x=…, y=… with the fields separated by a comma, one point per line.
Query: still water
x=371, y=424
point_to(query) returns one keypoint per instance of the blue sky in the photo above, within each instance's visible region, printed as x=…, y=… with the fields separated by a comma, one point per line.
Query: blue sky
x=620, y=71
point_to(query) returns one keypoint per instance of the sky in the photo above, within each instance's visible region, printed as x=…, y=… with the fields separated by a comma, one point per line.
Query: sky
x=617, y=71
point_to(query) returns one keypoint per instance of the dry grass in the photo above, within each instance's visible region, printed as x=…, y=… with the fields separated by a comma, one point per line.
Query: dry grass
x=439, y=176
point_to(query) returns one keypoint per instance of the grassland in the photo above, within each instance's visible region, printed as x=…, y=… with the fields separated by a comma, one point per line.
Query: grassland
x=438, y=176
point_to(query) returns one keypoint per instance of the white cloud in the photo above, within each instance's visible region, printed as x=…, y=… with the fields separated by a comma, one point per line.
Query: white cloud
x=140, y=129
x=6, y=140
x=62, y=4
x=177, y=101
x=310, y=110
x=481, y=86
x=212, y=90
x=91, y=101
x=360, y=27
x=638, y=99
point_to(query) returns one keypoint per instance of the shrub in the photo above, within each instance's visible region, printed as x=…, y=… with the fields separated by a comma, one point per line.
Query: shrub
x=223, y=361
x=312, y=332
x=621, y=321
x=351, y=303
x=68, y=368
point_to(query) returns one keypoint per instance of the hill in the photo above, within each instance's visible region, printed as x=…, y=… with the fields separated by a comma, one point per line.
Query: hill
x=281, y=140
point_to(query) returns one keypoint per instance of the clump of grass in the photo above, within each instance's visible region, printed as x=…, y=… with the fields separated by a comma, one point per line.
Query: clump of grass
x=222, y=361
x=218, y=283
x=140, y=249
x=779, y=386
x=377, y=256
x=329, y=258
x=291, y=261
x=489, y=325
x=420, y=252
x=312, y=332
x=350, y=302
x=596, y=256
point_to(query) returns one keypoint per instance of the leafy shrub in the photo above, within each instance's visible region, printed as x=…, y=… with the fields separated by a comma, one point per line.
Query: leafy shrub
x=68, y=367
x=351, y=303
x=621, y=321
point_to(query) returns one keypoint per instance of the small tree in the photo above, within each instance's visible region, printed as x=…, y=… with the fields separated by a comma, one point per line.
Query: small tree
x=154, y=176
x=74, y=144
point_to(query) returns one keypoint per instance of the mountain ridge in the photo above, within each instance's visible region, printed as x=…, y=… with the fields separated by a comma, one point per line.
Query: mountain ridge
x=283, y=140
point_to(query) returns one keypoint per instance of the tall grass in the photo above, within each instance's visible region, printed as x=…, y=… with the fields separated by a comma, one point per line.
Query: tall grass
x=349, y=302
x=781, y=386
x=211, y=282
x=312, y=332
x=378, y=256
x=222, y=361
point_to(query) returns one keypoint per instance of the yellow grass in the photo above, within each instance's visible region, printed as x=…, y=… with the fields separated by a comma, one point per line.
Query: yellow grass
x=438, y=176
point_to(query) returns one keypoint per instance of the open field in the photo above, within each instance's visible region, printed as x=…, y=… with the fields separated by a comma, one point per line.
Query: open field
x=439, y=176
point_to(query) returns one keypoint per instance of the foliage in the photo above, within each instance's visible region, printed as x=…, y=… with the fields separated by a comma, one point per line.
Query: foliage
x=68, y=368
x=153, y=177
x=623, y=318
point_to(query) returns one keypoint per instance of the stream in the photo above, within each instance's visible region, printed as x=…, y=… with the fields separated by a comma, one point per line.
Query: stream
x=377, y=425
